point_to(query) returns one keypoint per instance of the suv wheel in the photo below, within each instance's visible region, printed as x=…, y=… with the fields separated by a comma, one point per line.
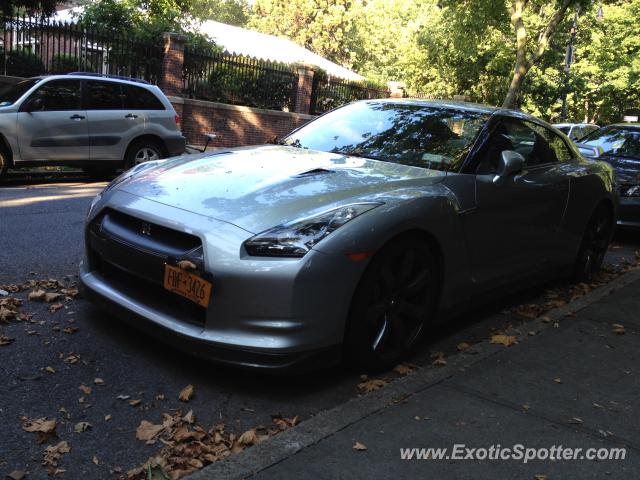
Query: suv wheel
x=142, y=151
x=4, y=161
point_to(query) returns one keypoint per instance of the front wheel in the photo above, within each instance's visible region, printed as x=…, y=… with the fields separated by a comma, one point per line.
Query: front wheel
x=4, y=161
x=142, y=151
x=594, y=244
x=393, y=304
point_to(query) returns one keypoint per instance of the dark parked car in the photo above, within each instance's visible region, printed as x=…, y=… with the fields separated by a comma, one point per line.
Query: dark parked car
x=360, y=230
x=619, y=145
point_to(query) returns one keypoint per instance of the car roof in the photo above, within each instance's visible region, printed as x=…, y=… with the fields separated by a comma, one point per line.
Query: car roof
x=95, y=76
x=632, y=125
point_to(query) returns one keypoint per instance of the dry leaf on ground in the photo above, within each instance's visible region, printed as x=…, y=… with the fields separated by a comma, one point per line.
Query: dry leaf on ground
x=4, y=340
x=84, y=389
x=147, y=431
x=405, y=368
x=186, y=393
x=37, y=295
x=371, y=385
x=359, y=446
x=42, y=426
x=506, y=340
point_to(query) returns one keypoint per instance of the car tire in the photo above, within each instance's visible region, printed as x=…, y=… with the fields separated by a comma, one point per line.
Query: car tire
x=594, y=244
x=4, y=161
x=143, y=151
x=393, y=304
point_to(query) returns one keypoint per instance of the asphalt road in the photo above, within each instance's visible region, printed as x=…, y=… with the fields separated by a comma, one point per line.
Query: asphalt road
x=41, y=237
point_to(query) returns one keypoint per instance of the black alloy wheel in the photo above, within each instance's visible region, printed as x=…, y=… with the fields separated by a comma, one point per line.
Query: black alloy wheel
x=594, y=245
x=392, y=304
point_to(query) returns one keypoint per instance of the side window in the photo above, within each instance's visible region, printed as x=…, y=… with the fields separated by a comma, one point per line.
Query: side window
x=139, y=98
x=59, y=95
x=553, y=148
x=104, y=95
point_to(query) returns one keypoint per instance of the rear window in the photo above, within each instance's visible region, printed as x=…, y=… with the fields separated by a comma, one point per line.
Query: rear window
x=138, y=98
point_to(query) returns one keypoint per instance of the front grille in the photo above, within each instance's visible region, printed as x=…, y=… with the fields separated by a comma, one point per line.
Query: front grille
x=133, y=262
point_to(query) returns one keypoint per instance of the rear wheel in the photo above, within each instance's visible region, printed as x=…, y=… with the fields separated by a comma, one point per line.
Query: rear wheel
x=142, y=151
x=392, y=305
x=594, y=245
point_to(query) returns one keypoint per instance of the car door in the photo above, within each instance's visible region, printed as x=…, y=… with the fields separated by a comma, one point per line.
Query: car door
x=52, y=123
x=112, y=121
x=513, y=230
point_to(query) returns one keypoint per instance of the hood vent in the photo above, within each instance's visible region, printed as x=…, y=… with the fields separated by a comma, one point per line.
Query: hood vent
x=314, y=172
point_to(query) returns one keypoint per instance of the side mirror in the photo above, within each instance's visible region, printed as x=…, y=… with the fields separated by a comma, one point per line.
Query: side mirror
x=589, y=151
x=510, y=163
x=33, y=104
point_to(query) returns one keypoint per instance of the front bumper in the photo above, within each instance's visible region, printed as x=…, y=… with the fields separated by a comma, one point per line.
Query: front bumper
x=629, y=212
x=272, y=314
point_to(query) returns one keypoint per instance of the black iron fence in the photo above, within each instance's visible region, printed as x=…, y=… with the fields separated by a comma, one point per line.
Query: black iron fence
x=227, y=78
x=329, y=92
x=35, y=46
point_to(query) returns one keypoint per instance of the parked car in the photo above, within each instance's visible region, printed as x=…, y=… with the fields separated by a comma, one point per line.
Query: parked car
x=96, y=122
x=619, y=145
x=576, y=131
x=352, y=236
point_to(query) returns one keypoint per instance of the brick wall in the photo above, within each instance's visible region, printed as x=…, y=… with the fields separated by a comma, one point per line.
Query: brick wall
x=234, y=125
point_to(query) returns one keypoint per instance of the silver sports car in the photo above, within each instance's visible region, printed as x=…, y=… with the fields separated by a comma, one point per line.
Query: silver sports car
x=348, y=238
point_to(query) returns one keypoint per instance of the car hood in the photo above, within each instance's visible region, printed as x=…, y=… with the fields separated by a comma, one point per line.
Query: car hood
x=261, y=187
x=627, y=169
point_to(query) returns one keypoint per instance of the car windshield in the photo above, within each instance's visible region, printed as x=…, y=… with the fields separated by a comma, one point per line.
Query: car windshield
x=564, y=130
x=616, y=141
x=10, y=93
x=417, y=135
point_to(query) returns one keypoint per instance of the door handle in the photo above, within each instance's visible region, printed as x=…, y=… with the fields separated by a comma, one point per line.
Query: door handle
x=130, y=115
x=76, y=117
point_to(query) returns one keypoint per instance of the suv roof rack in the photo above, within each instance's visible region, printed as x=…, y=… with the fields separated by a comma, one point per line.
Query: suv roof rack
x=106, y=75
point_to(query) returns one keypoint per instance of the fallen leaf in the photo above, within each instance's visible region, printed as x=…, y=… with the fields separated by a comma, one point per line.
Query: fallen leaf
x=405, y=368
x=52, y=297
x=439, y=362
x=4, y=340
x=575, y=420
x=70, y=330
x=371, y=385
x=462, y=346
x=39, y=425
x=84, y=389
x=135, y=403
x=17, y=475
x=50, y=369
x=541, y=477
x=54, y=307
x=37, y=295
x=557, y=380
x=53, y=453
x=359, y=446
x=506, y=340
x=123, y=397
x=618, y=329
x=147, y=431
x=186, y=393
x=82, y=427
x=95, y=460
x=98, y=381
x=107, y=417
x=248, y=438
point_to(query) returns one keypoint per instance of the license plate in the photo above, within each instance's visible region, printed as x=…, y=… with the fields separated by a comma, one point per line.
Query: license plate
x=187, y=284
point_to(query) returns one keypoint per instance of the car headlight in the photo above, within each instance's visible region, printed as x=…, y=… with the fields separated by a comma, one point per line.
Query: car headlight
x=295, y=239
x=94, y=202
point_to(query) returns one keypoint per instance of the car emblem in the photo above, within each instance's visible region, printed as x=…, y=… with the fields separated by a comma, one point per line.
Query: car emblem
x=145, y=229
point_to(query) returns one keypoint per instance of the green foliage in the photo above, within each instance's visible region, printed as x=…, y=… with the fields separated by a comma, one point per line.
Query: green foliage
x=232, y=12
x=326, y=27
x=65, y=63
x=45, y=7
x=21, y=63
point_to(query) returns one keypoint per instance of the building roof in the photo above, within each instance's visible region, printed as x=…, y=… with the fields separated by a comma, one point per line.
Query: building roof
x=242, y=41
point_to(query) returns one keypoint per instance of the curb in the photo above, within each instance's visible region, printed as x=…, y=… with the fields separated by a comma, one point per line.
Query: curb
x=325, y=424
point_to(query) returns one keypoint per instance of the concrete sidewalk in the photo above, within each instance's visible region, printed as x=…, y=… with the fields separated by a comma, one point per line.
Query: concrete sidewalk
x=575, y=385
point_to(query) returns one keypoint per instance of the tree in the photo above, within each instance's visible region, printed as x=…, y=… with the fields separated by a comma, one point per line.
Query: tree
x=326, y=27
x=45, y=7
x=232, y=12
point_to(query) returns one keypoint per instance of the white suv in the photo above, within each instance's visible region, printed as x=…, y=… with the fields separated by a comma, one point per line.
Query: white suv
x=97, y=122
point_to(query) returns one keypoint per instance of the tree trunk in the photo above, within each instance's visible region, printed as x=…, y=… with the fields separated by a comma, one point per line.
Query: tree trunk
x=521, y=67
